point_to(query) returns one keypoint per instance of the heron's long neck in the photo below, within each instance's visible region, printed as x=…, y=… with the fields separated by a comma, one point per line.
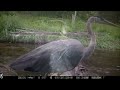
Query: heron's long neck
x=89, y=50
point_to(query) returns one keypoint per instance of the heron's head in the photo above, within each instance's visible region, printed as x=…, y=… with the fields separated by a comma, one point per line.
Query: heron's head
x=102, y=20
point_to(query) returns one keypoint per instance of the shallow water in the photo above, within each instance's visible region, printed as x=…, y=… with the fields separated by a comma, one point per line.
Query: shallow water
x=102, y=62
x=105, y=63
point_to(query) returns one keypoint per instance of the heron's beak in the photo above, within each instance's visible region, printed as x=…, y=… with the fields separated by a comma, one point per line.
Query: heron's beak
x=110, y=23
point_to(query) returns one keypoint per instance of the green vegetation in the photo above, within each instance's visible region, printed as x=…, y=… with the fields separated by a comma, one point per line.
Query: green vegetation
x=108, y=37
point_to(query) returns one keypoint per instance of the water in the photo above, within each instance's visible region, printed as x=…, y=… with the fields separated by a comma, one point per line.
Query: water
x=105, y=63
x=102, y=62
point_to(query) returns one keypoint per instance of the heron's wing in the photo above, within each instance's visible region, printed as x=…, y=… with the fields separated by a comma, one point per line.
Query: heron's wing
x=51, y=57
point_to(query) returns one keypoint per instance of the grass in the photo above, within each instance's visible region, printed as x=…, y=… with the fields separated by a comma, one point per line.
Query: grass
x=108, y=37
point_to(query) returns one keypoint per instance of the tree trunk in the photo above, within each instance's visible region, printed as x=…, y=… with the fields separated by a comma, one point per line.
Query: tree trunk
x=73, y=19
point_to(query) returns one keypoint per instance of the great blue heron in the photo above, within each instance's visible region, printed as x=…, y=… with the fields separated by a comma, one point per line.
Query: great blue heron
x=58, y=56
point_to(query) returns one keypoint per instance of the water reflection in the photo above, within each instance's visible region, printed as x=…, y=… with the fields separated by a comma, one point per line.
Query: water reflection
x=102, y=62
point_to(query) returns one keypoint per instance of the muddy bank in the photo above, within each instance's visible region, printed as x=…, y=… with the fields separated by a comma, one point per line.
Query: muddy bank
x=101, y=63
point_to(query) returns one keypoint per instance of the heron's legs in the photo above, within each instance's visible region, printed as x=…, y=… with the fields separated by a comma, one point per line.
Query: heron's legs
x=80, y=70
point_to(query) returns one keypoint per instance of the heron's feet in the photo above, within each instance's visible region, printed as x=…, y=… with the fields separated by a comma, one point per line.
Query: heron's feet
x=82, y=69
